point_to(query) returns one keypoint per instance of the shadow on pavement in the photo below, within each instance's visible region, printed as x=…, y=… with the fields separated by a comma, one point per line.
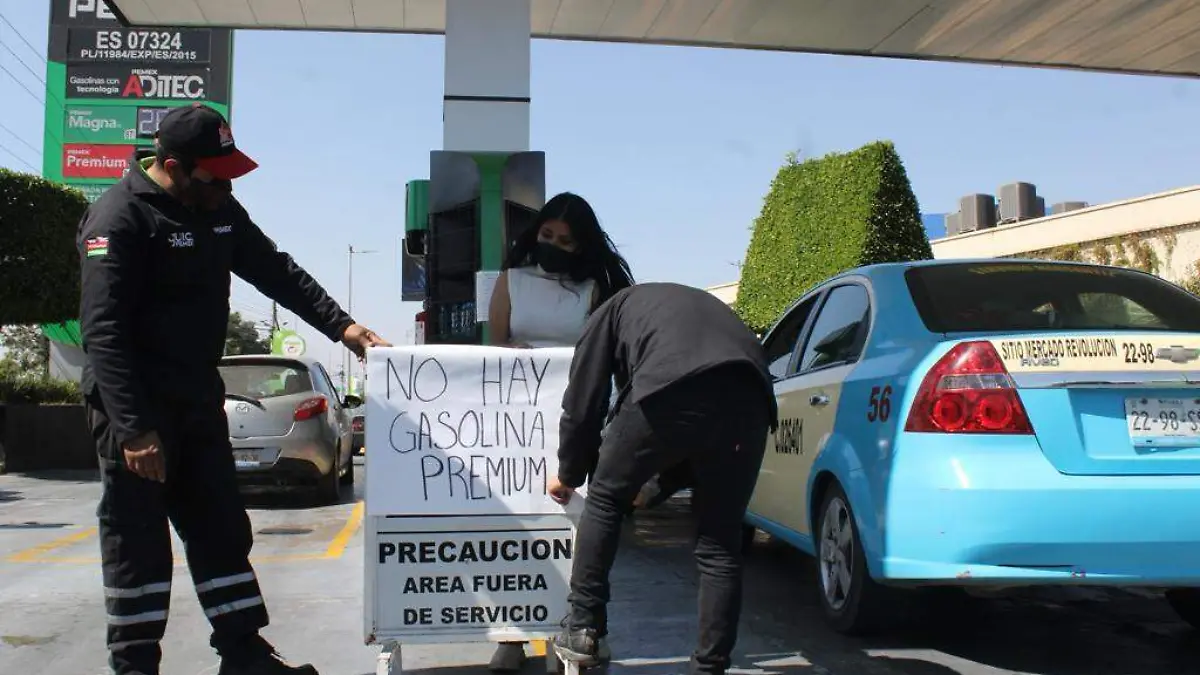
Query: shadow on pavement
x=301, y=498
x=60, y=476
x=645, y=666
x=10, y=496
x=1045, y=631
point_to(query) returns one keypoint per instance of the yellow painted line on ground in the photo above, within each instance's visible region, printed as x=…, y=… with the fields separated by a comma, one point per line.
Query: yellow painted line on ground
x=338, y=546
x=38, y=553
x=335, y=550
x=180, y=561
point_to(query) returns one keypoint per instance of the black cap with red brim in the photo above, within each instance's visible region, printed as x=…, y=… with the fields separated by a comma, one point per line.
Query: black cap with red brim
x=199, y=134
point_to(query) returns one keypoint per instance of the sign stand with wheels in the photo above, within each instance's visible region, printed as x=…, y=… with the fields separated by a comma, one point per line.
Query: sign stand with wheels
x=462, y=541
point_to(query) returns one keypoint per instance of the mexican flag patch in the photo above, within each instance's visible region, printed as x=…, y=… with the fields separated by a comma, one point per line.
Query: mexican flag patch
x=96, y=246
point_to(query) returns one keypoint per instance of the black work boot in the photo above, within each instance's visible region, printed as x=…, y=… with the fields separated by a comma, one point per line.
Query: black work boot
x=260, y=658
x=579, y=645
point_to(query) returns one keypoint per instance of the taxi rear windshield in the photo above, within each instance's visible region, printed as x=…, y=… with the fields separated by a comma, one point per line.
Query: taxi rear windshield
x=993, y=297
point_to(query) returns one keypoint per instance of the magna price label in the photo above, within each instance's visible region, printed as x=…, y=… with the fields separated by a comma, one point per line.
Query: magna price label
x=164, y=83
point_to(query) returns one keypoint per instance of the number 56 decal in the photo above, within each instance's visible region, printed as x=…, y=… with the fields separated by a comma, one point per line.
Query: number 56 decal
x=879, y=408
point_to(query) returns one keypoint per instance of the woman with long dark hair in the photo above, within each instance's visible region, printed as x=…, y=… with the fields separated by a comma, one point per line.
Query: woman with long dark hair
x=557, y=272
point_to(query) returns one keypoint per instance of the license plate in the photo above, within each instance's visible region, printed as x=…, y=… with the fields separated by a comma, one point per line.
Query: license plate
x=250, y=459
x=1163, y=417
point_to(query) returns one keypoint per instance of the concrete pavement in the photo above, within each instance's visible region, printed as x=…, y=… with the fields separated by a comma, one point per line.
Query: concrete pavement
x=310, y=564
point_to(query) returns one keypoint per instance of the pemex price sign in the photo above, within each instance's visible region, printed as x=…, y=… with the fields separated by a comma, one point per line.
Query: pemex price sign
x=107, y=87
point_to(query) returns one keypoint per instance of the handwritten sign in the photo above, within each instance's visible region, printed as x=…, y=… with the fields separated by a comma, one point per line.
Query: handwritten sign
x=463, y=430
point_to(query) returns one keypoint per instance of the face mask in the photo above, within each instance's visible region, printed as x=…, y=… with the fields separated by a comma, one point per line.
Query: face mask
x=207, y=196
x=556, y=260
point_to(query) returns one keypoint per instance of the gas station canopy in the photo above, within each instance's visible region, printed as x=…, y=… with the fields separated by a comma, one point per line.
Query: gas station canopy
x=1130, y=36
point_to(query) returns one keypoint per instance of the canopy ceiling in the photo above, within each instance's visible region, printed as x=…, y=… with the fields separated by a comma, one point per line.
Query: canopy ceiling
x=1132, y=36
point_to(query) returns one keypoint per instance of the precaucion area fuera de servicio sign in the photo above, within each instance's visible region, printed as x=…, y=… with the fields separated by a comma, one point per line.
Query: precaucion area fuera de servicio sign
x=477, y=578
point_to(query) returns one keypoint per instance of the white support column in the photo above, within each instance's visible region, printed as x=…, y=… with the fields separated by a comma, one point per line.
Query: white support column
x=486, y=99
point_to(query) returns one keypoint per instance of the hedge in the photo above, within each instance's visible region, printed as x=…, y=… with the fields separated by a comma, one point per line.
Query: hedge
x=823, y=217
x=39, y=265
x=38, y=391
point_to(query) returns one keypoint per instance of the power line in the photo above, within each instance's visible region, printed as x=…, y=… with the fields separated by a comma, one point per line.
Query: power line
x=22, y=62
x=22, y=85
x=18, y=157
x=21, y=37
x=18, y=137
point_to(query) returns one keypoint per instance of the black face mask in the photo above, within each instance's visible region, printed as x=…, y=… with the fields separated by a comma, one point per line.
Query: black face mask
x=556, y=260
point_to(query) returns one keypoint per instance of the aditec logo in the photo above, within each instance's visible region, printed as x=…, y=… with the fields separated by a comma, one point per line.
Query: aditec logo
x=153, y=84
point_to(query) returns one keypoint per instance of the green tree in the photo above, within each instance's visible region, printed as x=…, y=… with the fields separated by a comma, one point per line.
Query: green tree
x=27, y=350
x=241, y=337
x=822, y=217
x=39, y=264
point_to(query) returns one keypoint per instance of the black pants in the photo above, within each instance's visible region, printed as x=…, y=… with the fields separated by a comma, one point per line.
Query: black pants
x=718, y=421
x=202, y=501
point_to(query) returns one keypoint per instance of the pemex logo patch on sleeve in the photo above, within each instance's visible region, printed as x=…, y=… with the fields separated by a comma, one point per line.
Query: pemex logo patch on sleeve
x=96, y=246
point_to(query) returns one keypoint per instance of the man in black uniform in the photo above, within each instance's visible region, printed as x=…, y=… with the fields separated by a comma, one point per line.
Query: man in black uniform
x=157, y=251
x=694, y=387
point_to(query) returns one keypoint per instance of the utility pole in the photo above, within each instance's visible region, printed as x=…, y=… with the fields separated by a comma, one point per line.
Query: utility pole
x=274, y=316
x=351, y=252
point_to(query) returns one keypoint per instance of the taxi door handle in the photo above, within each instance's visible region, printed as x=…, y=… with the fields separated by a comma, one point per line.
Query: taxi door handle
x=817, y=400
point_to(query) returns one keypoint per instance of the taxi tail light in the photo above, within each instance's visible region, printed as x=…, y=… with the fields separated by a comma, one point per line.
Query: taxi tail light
x=968, y=391
x=311, y=408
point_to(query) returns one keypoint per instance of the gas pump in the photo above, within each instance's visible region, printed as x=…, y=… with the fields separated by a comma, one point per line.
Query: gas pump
x=478, y=204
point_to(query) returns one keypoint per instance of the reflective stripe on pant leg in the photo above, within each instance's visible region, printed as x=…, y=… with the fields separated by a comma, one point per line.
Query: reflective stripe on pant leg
x=137, y=615
x=232, y=594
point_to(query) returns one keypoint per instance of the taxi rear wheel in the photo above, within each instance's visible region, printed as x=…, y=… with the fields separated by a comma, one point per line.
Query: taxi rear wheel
x=852, y=601
x=1186, y=603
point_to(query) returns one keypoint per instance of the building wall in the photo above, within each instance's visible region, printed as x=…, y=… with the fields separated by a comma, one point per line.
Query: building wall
x=726, y=292
x=1168, y=221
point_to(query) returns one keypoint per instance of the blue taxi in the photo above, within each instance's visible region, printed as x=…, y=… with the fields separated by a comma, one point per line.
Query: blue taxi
x=986, y=422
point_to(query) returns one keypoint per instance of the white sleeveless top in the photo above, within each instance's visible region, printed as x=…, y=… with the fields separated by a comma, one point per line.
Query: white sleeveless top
x=546, y=312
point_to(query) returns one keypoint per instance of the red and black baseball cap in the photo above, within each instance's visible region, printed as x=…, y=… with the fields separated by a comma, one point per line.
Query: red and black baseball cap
x=201, y=135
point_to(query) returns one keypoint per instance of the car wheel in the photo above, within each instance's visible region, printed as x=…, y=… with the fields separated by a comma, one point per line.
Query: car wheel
x=348, y=477
x=329, y=486
x=852, y=601
x=1186, y=603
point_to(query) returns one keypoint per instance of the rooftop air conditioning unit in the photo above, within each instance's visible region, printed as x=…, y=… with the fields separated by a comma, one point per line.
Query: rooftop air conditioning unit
x=953, y=224
x=976, y=212
x=1018, y=201
x=1063, y=207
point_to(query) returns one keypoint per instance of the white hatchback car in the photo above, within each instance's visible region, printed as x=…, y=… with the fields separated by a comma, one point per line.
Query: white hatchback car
x=287, y=425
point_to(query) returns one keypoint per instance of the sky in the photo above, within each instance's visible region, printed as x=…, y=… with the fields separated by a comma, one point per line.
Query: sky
x=674, y=147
